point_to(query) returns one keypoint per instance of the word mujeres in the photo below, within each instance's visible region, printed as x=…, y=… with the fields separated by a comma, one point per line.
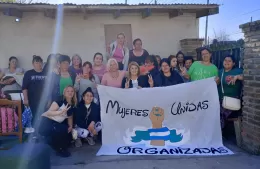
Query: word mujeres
x=171, y=151
x=177, y=108
x=125, y=111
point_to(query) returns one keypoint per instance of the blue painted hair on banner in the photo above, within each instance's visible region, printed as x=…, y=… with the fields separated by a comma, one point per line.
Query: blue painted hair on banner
x=173, y=137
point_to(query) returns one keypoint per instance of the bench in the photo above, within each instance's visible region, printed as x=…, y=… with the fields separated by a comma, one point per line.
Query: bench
x=26, y=156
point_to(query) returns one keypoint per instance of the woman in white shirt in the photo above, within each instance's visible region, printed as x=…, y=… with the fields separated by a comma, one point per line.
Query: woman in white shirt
x=11, y=76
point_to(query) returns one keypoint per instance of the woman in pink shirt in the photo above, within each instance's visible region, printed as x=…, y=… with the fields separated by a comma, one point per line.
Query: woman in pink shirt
x=119, y=51
x=113, y=77
x=99, y=68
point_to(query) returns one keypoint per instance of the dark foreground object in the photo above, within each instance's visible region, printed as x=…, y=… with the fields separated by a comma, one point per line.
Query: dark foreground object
x=26, y=156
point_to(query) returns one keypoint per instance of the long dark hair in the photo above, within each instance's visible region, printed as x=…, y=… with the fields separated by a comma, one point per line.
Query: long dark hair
x=91, y=76
x=178, y=63
x=48, y=63
x=152, y=59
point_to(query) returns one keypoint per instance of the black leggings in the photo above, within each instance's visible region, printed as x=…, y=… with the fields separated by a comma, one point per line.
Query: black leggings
x=56, y=133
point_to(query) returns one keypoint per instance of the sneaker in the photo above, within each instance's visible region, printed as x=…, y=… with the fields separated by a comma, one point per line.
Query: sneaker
x=78, y=143
x=98, y=126
x=63, y=153
x=28, y=130
x=32, y=130
x=90, y=141
x=74, y=134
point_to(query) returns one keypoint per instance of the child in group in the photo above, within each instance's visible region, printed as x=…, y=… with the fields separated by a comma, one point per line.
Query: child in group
x=87, y=119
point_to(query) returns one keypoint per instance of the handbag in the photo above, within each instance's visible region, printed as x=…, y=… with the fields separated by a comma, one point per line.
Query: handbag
x=229, y=103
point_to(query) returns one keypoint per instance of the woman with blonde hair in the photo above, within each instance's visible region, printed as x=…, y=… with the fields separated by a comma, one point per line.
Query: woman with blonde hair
x=134, y=80
x=76, y=65
x=113, y=77
x=57, y=122
x=119, y=51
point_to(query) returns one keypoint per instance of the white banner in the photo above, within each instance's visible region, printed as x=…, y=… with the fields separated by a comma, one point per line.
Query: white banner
x=176, y=120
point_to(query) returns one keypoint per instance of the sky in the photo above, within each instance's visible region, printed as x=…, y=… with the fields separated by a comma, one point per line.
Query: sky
x=232, y=13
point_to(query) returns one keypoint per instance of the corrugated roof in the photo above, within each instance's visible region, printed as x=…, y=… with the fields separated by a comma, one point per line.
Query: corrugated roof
x=116, y=4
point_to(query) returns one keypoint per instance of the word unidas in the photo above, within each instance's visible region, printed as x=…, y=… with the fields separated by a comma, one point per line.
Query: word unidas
x=178, y=109
x=171, y=151
x=125, y=111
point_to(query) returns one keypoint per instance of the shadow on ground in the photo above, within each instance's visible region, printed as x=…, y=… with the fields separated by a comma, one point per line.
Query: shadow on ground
x=86, y=156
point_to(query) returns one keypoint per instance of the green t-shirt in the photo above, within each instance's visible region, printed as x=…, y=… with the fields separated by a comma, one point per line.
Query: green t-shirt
x=199, y=71
x=64, y=82
x=229, y=89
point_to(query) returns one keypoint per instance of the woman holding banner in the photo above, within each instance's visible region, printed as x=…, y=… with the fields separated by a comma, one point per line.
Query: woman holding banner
x=134, y=80
x=113, y=77
x=230, y=86
x=167, y=77
x=202, y=69
x=87, y=119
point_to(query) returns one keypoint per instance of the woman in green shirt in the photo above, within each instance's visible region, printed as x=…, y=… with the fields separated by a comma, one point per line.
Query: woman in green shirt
x=202, y=69
x=231, y=78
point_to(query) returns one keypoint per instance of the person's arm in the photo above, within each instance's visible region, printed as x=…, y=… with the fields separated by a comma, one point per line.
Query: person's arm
x=104, y=80
x=70, y=123
x=179, y=78
x=53, y=110
x=126, y=58
x=158, y=81
x=240, y=75
x=76, y=86
x=97, y=80
x=123, y=83
x=25, y=85
x=2, y=74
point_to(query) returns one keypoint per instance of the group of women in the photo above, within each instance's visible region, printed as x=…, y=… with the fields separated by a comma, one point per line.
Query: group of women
x=67, y=92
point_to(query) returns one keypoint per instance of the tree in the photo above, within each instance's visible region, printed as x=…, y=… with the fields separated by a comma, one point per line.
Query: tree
x=221, y=36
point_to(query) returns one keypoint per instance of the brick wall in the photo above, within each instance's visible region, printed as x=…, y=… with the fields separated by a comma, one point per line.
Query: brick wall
x=251, y=91
x=189, y=46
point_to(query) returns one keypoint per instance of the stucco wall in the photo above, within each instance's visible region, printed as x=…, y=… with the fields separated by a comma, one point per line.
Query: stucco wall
x=34, y=34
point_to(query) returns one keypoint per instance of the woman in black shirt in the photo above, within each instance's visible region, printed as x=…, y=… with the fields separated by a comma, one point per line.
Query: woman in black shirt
x=87, y=119
x=57, y=122
x=167, y=77
x=134, y=79
x=138, y=54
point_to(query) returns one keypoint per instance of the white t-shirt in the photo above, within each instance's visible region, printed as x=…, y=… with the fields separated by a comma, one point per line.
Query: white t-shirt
x=135, y=83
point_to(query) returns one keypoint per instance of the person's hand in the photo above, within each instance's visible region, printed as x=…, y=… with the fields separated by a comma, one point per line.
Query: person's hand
x=2, y=82
x=56, y=71
x=127, y=83
x=64, y=110
x=69, y=129
x=78, y=77
x=108, y=48
x=157, y=116
x=9, y=81
x=150, y=80
x=91, y=127
x=217, y=79
x=183, y=71
x=233, y=80
x=26, y=102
